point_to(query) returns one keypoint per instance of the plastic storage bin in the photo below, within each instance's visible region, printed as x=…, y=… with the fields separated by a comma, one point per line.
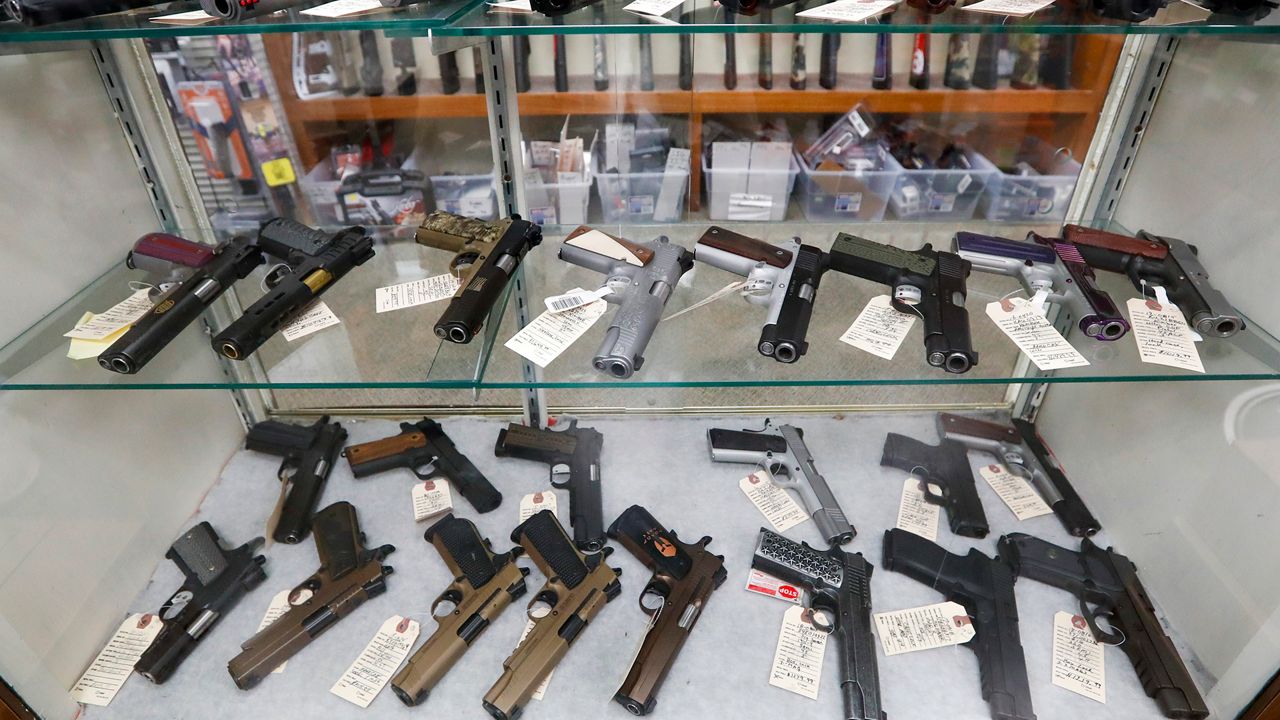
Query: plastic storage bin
x=1034, y=198
x=470, y=195
x=563, y=203
x=941, y=194
x=724, y=204
x=642, y=197
x=844, y=195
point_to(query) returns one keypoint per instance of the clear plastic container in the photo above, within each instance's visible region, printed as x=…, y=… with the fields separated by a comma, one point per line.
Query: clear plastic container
x=725, y=203
x=469, y=195
x=941, y=194
x=642, y=197
x=1042, y=194
x=847, y=195
x=561, y=203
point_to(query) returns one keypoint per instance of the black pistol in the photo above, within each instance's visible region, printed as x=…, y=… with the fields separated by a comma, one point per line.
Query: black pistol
x=309, y=453
x=216, y=579
x=944, y=466
x=576, y=448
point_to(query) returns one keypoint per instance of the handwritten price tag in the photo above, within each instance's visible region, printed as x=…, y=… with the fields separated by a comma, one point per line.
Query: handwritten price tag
x=879, y=328
x=924, y=628
x=915, y=514
x=106, y=675
x=371, y=671
x=797, y=662
x=1078, y=658
x=1031, y=332
x=773, y=502
x=1162, y=335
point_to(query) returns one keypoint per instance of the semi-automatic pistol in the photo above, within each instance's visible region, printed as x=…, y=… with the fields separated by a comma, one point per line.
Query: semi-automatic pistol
x=309, y=453
x=426, y=450
x=946, y=479
x=577, y=450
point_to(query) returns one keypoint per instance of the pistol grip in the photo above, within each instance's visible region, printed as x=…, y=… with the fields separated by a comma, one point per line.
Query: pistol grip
x=549, y=547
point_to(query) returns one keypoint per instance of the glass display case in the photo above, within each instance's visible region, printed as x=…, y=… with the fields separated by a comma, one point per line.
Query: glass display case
x=844, y=235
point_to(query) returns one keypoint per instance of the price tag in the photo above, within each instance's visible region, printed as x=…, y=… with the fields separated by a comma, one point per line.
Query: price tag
x=279, y=606
x=430, y=498
x=1017, y=8
x=550, y=334
x=1078, y=658
x=923, y=628
x=849, y=10
x=797, y=662
x=344, y=8
x=315, y=318
x=117, y=317
x=915, y=514
x=373, y=669
x=879, y=329
x=1032, y=333
x=195, y=17
x=1162, y=335
x=543, y=152
x=415, y=292
x=575, y=299
x=542, y=687
x=536, y=503
x=749, y=206
x=766, y=584
x=280, y=171
x=773, y=502
x=1021, y=498
x=653, y=7
x=107, y=673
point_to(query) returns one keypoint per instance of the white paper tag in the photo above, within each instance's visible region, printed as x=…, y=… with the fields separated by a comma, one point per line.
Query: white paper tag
x=776, y=504
x=543, y=152
x=722, y=292
x=678, y=159
x=415, y=292
x=430, y=498
x=195, y=17
x=766, y=584
x=344, y=8
x=477, y=205
x=797, y=663
x=1017, y=8
x=107, y=673
x=653, y=7
x=1078, y=658
x=373, y=669
x=602, y=244
x=1017, y=493
x=1162, y=335
x=849, y=10
x=915, y=514
x=85, y=349
x=536, y=503
x=542, y=687
x=118, y=316
x=750, y=206
x=859, y=124
x=964, y=183
x=1033, y=334
x=550, y=334
x=923, y=628
x=512, y=6
x=315, y=318
x=279, y=606
x=575, y=299
x=879, y=329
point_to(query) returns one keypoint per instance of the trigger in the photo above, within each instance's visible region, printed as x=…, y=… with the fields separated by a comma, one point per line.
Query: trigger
x=462, y=260
x=1107, y=637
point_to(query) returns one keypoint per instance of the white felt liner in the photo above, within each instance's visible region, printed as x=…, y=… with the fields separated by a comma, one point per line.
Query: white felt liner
x=662, y=464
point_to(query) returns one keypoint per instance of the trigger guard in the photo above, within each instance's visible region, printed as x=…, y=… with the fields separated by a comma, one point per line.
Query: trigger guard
x=468, y=257
x=432, y=472
x=1115, y=637
x=653, y=590
x=930, y=496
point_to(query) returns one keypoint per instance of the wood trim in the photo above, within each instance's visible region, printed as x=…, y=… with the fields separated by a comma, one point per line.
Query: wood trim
x=11, y=706
x=1267, y=705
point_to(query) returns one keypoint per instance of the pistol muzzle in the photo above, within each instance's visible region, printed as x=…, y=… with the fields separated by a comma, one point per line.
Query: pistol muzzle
x=1104, y=329
x=455, y=332
x=1222, y=326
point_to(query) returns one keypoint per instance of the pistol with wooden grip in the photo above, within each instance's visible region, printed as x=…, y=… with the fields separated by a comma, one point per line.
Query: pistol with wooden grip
x=577, y=451
x=926, y=283
x=984, y=586
x=1107, y=586
x=641, y=278
x=790, y=465
x=782, y=278
x=944, y=466
x=168, y=259
x=309, y=453
x=349, y=575
x=316, y=260
x=578, y=587
x=215, y=580
x=837, y=588
x=484, y=585
x=1021, y=450
x=1051, y=266
x=425, y=450
x=684, y=576
x=486, y=255
x=1162, y=262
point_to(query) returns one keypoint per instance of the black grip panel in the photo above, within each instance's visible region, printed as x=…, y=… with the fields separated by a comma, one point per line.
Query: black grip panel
x=285, y=239
x=466, y=548
x=279, y=438
x=548, y=545
x=724, y=439
x=337, y=531
x=945, y=465
x=455, y=466
x=198, y=554
x=1071, y=510
x=657, y=548
x=914, y=556
x=530, y=443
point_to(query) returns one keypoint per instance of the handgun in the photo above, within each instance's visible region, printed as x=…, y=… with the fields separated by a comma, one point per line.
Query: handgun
x=799, y=70
x=730, y=57
x=316, y=261
x=986, y=64
x=578, y=587
x=927, y=283
x=560, y=62
x=46, y=12
x=349, y=575
x=641, y=277
x=1107, y=586
x=919, y=76
x=837, y=588
x=309, y=453
x=944, y=466
x=577, y=449
x=828, y=60
x=520, y=61
x=685, y=78
x=684, y=576
x=790, y=465
x=882, y=70
x=764, y=60
x=370, y=64
x=425, y=449
x=215, y=580
x=406, y=62
x=450, y=78
x=783, y=278
x=1157, y=261
x=1054, y=267
x=599, y=51
x=168, y=259
x=1021, y=449
x=958, y=74
x=984, y=586
x=1056, y=61
x=1026, y=61
x=484, y=584
x=486, y=254
x=181, y=305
